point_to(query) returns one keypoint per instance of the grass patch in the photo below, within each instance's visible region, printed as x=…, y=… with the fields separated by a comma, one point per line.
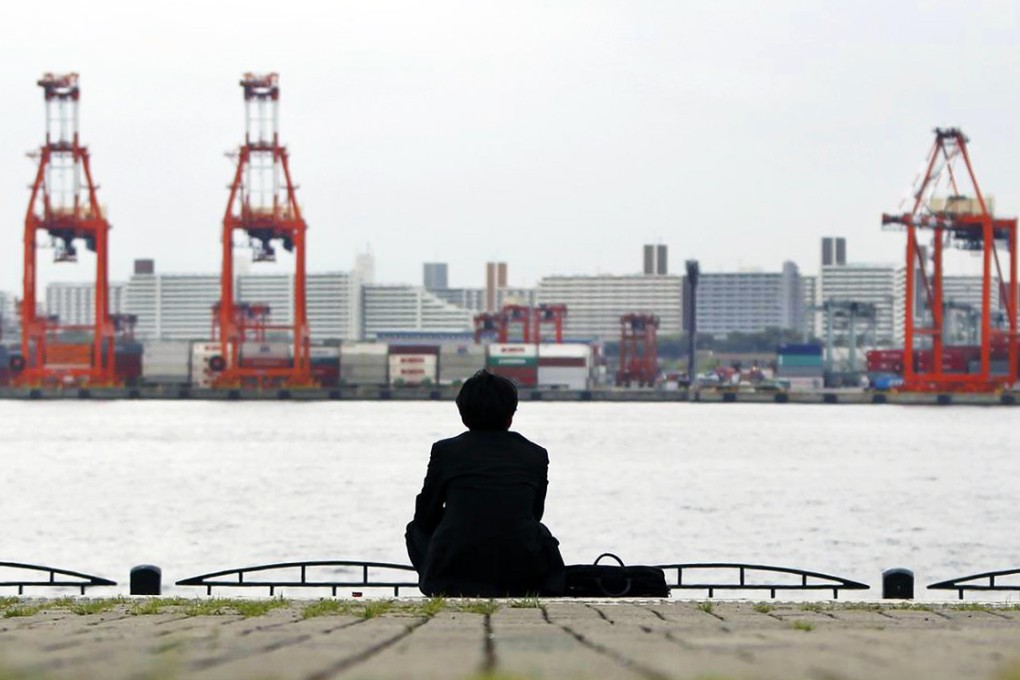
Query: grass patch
x=250, y=608
x=375, y=608
x=155, y=605
x=763, y=608
x=6, y=602
x=525, y=603
x=487, y=607
x=219, y=606
x=19, y=610
x=327, y=608
x=89, y=607
x=803, y=625
x=706, y=607
x=431, y=607
x=815, y=607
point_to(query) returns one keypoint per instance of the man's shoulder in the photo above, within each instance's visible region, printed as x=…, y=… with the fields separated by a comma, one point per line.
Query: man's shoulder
x=469, y=440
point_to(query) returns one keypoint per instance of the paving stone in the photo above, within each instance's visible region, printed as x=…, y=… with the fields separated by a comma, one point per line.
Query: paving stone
x=557, y=639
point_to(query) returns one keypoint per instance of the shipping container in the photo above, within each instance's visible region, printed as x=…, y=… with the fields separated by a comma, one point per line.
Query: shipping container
x=799, y=360
x=201, y=354
x=522, y=376
x=414, y=349
x=363, y=349
x=565, y=350
x=512, y=350
x=166, y=362
x=804, y=384
x=571, y=378
x=413, y=369
x=808, y=349
x=563, y=362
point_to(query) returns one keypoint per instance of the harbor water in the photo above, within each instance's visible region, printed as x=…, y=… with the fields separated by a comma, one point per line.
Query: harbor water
x=200, y=486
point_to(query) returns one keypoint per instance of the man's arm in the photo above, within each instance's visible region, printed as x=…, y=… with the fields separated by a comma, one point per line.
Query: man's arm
x=428, y=507
x=539, y=508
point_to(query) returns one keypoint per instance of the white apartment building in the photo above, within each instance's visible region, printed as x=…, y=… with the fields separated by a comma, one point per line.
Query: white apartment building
x=473, y=299
x=869, y=283
x=750, y=301
x=179, y=306
x=74, y=303
x=596, y=303
x=404, y=308
x=809, y=298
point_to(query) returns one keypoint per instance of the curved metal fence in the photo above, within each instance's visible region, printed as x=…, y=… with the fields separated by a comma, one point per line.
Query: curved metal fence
x=55, y=578
x=965, y=582
x=345, y=574
x=758, y=577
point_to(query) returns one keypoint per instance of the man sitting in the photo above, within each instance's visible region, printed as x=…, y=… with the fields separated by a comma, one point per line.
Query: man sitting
x=476, y=530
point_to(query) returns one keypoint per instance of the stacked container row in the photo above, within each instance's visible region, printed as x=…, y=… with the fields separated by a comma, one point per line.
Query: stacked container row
x=800, y=361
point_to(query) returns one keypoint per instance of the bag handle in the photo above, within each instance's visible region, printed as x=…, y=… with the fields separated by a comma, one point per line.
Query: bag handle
x=606, y=554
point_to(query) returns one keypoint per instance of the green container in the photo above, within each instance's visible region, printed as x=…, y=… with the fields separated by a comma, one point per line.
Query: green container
x=799, y=360
x=512, y=361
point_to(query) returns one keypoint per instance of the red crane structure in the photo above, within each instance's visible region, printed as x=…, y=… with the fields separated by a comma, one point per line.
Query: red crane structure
x=955, y=219
x=639, y=350
x=499, y=325
x=263, y=205
x=64, y=206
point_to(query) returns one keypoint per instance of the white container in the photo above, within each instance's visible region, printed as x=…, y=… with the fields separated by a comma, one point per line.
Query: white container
x=364, y=349
x=565, y=351
x=565, y=377
x=266, y=350
x=513, y=350
x=462, y=351
x=412, y=369
x=201, y=354
x=166, y=361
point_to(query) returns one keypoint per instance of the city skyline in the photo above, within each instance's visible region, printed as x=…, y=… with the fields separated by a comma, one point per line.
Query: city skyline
x=538, y=132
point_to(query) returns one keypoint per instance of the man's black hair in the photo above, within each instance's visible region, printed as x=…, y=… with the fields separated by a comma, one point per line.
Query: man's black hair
x=487, y=401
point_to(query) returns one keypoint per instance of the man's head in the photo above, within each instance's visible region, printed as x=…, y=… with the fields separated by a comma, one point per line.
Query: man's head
x=487, y=402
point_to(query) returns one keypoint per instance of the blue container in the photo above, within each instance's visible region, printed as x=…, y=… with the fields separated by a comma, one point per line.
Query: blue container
x=809, y=349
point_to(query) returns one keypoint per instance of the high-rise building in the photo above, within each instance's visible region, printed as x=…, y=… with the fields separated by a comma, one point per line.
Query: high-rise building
x=473, y=299
x=75, y=303
x=833, y=251
x=750, y=301
x=868, y=283
x=655, y=260
x=495, y=281
x=434, y=276
x=403, y=308
x=596, y=303
x=364, y=266
x=179, y=306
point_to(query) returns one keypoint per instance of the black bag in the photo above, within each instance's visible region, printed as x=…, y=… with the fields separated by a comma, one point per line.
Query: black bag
x=600, y=580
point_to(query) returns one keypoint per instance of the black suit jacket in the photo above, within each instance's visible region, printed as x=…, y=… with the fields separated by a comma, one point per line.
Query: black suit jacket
x=477, y=519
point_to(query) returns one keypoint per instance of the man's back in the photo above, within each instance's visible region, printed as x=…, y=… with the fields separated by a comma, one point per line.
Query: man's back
x=482, y=501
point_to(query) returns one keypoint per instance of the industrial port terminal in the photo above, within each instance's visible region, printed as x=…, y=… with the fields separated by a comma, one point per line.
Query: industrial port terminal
x=250, y=354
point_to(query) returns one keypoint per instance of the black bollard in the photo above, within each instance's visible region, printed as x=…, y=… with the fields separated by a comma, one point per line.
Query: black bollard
x=897, y=584
x=146, y=580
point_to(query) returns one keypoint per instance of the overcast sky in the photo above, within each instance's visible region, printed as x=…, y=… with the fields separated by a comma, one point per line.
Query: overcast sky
x=557, y=136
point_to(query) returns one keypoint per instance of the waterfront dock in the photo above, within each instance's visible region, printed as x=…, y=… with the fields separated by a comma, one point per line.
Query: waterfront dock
x=448, y=393
x=150, y=639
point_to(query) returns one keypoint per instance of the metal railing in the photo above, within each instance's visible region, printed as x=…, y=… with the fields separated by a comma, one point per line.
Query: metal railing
x=964, y=583
x=742, y=582
x=240, y=578
x=84, y=580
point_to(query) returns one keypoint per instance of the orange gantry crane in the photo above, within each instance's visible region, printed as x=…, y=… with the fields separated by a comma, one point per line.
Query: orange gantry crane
x=63, y=206
x=262, y=205
x=639, y=350
x=531, y=320
x=949, y=203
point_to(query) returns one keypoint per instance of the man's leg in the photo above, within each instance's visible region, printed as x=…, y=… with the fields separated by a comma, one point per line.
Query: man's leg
x=417, y=545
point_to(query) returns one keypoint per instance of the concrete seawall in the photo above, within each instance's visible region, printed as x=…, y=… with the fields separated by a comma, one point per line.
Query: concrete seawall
x=362, y=393
x=504, y=640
